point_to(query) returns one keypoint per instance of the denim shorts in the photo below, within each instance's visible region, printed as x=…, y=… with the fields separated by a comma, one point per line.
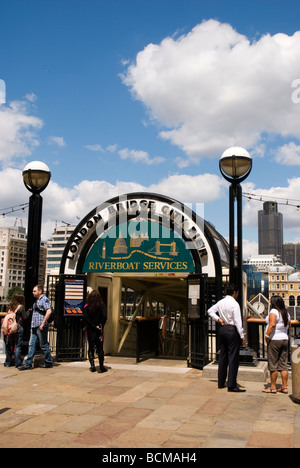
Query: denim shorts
x=278, y=355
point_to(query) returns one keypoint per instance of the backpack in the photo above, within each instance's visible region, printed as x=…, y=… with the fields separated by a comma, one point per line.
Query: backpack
x=43, y=312
x=9, y=324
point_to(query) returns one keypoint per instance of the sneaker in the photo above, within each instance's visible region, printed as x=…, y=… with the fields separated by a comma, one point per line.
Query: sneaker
x=25, y=367
x=45, y=366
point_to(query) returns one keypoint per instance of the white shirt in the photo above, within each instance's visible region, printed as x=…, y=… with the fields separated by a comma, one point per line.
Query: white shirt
x=229, y=311
x=281, y=332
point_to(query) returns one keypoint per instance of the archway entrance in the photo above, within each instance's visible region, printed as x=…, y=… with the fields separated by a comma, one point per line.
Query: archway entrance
x=158, y=297
x=139, y=250
x=131, y=299
x=164, y=298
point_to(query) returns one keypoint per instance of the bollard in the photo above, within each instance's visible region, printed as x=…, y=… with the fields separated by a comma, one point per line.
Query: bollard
x=295, y=358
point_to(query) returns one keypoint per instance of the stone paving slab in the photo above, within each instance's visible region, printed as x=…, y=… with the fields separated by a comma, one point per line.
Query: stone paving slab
x=155, y=404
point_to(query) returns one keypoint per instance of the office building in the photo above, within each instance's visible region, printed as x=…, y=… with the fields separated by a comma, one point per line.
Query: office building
x=13, y=248
x=270, y=230
x=285, y=282
x=55, y=248
x=291, y=255
x=262, y=262
x=257, y=281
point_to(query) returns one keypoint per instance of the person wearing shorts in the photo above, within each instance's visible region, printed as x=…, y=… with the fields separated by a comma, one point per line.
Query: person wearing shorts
x=277, y=338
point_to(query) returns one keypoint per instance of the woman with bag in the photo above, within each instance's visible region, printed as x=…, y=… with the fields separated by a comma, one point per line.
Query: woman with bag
x=95, y=316
x=277, y=338
x=21, y=317
x=13, y=336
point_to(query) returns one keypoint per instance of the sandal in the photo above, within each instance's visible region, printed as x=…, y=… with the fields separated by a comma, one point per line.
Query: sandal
x=270, y=390
x=284, y=390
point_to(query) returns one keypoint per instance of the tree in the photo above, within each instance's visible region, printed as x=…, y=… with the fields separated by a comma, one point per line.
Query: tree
x=13, y=291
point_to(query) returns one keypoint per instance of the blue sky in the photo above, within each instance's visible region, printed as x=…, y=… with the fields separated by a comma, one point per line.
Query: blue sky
x=120, y=95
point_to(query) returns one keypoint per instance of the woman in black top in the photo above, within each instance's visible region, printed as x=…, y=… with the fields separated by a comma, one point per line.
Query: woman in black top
x=95, y=316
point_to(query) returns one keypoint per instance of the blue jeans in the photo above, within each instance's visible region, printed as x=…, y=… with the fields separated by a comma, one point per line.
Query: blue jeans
x=41, y=335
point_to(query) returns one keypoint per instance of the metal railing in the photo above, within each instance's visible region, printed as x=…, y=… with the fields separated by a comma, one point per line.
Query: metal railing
x=52, y=337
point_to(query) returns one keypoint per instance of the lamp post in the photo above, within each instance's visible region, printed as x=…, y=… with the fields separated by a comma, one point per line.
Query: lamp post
x=235, y=166
x=36, y=177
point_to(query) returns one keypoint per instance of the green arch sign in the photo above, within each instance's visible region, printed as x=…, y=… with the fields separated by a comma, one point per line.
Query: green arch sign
x=139, y=247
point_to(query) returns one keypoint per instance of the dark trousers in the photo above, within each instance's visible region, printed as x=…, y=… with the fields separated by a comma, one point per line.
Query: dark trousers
x=96, y=344
x=229, y=357
x=10, y=343
x=18, y=352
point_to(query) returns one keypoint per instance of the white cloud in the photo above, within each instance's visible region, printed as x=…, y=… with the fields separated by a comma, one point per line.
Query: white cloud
x=288, y=154
x=191, y=189
x=182, y=162
x=111, y=148
x=212, y=88
x=288, y=199
x=139, y=156
x=95, y=147
x=18, y=131
x=136, y=156
x=250, y=249
x=31, y=97
x=56, y=140
x=13, y=191
x=65, y=204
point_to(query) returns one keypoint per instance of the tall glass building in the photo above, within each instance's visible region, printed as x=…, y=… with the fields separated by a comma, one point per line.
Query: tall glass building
x=270, y=230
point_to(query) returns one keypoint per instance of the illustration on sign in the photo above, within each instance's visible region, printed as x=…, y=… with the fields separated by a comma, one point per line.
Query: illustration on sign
x=138, y=250
x=74, y=296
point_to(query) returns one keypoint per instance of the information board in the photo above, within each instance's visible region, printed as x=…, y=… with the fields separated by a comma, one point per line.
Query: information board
x=74, y=297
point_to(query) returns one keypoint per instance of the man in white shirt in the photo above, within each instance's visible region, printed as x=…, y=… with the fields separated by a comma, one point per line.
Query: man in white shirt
x=227, y=312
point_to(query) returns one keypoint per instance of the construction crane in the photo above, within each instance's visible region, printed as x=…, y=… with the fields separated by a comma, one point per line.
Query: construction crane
x=17, y=221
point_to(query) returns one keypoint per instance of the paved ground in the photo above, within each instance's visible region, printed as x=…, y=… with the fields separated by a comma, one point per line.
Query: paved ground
x=156, y=404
